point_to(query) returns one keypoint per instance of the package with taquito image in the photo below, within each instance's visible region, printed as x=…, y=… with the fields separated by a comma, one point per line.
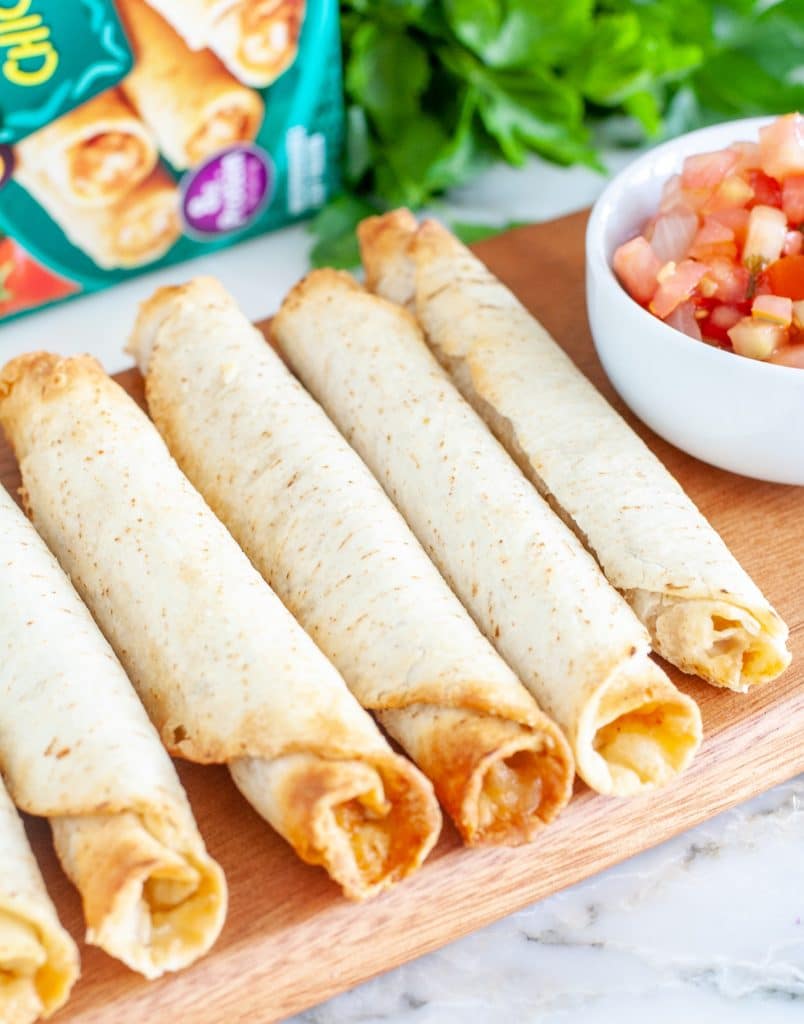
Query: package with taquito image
x=38, y=959
x=703, y=611
x=138, y=133
x=224, y=671
x=256, y=39
x=521, y=573
x=192, y=105
x=77, y=748
x=136, y=229
x=318, y=526
x=94, y=155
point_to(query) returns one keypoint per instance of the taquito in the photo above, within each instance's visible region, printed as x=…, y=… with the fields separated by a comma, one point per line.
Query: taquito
x=320, y=529
x=38, y=959
x=93, y=155
x=256, y=39
x=76, y=747
x=190, y=102
x=704, y=613
x=138, y=229
x=225, y=672
x=522, y=574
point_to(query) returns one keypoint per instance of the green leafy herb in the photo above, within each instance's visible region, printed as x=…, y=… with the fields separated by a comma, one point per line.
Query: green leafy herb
x=437, y=89
x=471, y=233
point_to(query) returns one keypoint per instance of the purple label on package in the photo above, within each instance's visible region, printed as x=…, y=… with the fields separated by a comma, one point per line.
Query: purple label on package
x=227, y=192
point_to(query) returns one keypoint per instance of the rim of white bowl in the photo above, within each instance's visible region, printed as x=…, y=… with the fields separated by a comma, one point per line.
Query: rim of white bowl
x=605, y=210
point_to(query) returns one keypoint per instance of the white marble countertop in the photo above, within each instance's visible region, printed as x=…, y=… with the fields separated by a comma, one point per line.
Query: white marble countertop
x=705, y=929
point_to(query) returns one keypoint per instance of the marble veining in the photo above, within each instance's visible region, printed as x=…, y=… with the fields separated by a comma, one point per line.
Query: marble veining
x=707, y=927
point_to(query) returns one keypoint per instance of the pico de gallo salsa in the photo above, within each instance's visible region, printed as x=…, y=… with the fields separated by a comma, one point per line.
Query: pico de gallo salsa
x=723, y=258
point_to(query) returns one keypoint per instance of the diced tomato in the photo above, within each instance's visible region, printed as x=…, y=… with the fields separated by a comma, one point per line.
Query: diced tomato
x=786, y=276
x=673, y=234
x=676, y=287
x=767, y=191
x=707, y=170
x=683, y=318
x=731, y=281
x=717, y=324
x=748, y=156
x=793, y=243
x=781, y=146
x=733, y=191
x=756, y=339
x=713, y=241
x=695, y=199
x=789, y=355
x=735, y=218
x=764, y=242
x=636, y=265
x=793, y=199
x=774, y=308
x=724, y=317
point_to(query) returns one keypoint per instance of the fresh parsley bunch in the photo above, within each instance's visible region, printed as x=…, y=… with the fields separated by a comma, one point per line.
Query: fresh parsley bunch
x=436, y=89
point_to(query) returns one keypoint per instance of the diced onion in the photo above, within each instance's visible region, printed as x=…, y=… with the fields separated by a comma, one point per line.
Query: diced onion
x=673, y=234
x=767, y=228
x=683, y=319
x=756, y=339
x=775, y=309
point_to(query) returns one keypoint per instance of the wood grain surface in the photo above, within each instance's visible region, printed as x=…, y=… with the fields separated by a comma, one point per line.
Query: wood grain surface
x=291, y=941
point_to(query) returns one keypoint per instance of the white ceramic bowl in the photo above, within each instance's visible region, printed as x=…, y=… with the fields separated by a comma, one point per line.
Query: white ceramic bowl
x=737, y=413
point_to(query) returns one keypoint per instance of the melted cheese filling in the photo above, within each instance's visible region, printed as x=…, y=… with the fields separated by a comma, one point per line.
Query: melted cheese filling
x=148, y=227
x=105, y=163
x=23, y=981
x=717, y=640
x=225, y=126
x=267, y=32
x=144, y=902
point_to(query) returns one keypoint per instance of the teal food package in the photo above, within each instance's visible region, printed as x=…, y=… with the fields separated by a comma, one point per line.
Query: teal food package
x=138, y=133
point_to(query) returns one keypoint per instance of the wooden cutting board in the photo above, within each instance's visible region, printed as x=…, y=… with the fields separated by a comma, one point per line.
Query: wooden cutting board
x=291, y=941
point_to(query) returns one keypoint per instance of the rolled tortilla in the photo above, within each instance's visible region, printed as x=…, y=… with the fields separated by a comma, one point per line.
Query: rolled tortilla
x=224, y=671
x=256, y=39
x=38, y=959
x=318, y=526
x=524, y=577
x=76, y=747
x=95, y=154
x=702, y=610
x=190, y=102
x=138, y=229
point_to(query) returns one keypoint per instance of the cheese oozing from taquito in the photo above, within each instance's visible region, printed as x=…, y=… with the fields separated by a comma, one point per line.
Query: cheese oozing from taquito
x=225, y=672
x=703, y=612
x=520, y=572
x=137, y=229
x=76, y=747
x=95, y=154
x=256, y=39
x=193, y=106
x=38, y=959
x=320, y=529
